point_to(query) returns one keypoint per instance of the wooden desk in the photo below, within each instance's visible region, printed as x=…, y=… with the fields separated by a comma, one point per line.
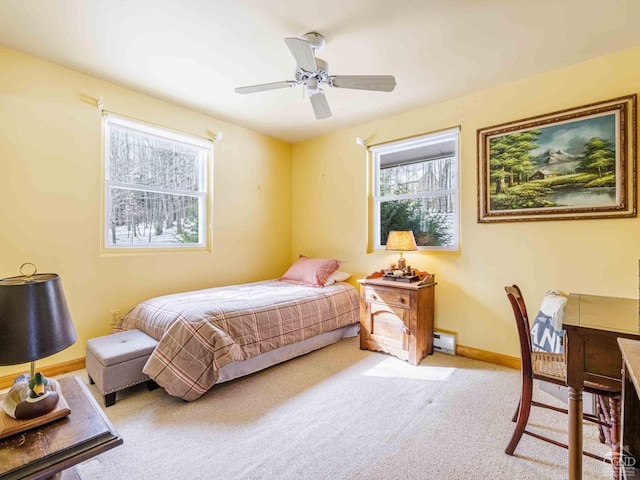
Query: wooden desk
x=45, y=451
x=593, y=325
x=630, y=435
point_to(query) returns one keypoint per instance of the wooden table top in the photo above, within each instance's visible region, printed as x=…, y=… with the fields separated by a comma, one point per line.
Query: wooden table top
x=56, y=446
x=613, y=314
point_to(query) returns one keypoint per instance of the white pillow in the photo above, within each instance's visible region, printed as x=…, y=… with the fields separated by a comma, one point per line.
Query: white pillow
x=337, y=276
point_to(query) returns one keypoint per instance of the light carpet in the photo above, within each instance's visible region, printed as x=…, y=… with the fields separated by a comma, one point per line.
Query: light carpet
x=340, y=413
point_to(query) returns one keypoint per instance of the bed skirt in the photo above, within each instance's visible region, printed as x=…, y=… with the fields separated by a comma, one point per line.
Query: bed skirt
x=265, y=360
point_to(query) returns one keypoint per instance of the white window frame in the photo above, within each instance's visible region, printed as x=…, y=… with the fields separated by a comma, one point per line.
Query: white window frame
x=203, y=194
x=377, y=151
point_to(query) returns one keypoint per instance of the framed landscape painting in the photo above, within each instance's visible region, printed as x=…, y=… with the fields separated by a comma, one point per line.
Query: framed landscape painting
x=573, y=164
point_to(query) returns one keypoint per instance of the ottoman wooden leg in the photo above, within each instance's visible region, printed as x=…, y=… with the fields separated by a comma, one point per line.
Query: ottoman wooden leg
x=91, y=382
x=109, y=399
x=151, y=385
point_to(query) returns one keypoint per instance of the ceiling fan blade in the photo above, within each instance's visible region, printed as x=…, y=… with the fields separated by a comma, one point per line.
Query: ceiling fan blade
x=266, y=86
x=320, y=105
x=302, y=52
x=380, y=83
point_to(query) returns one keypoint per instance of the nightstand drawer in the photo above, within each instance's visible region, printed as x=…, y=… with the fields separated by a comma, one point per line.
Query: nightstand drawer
x=389, y=297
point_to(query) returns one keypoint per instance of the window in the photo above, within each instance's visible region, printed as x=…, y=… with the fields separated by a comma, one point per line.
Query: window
x=415, y=187
x=156, y=186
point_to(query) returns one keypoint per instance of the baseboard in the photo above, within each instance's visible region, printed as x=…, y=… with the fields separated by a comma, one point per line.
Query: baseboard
x=490, y=357
x=49, y=371
x=462, y=350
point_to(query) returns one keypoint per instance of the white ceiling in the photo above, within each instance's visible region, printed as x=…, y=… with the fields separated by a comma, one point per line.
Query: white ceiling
x=195, y=52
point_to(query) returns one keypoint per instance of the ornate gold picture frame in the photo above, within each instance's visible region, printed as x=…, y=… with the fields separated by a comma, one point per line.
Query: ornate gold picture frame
x=573, y=164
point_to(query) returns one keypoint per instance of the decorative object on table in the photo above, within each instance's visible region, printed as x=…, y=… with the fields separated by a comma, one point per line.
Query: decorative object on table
x=31, y=398
x=401, y=241
x=413, y=276
x=573, y=164
x=408, y=275
x=36, y=323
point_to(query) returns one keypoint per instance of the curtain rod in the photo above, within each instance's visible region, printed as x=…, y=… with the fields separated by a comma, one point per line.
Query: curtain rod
x=388, y=142
x=100, y=104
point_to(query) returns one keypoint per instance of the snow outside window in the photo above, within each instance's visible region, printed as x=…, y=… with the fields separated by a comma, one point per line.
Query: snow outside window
x=156, y=186
x=415, y=187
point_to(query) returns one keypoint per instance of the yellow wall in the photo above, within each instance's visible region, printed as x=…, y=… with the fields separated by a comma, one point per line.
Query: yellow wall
x=588, y=256
x=274, y=201
x=50, y=196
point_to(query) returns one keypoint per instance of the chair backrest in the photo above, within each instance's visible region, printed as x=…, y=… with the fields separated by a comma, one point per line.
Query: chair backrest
x=522, y=322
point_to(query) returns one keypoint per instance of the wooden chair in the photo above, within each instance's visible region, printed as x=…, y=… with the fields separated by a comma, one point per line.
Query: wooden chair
x=552, y=368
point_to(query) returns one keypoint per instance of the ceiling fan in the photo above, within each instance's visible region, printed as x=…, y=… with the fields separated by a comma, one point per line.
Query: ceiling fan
x=313, y=73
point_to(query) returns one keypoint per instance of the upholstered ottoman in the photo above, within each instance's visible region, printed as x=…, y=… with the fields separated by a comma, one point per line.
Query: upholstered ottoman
x=115, y=362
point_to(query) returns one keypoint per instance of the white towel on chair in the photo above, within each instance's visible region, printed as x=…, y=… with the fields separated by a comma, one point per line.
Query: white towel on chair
x=546, y=331
x=552, y=306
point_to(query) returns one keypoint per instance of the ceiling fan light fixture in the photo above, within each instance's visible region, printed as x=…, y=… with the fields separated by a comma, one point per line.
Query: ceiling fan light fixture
x=312, y=86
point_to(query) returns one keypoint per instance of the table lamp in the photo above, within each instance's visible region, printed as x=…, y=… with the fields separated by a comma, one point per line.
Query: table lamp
x=402, y=241
x=34, y=323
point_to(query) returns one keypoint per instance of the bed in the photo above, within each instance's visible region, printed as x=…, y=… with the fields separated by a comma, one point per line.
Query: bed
x=218, y=334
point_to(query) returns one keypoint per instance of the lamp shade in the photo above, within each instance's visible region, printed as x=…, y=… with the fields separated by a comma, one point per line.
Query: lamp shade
x=34, y=318
x=401, y=240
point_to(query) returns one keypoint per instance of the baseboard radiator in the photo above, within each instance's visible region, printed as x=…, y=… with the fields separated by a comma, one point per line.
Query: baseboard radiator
x=444, y=343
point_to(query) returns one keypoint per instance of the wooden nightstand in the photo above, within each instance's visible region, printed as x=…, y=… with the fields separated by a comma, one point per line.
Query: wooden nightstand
x=397, y=318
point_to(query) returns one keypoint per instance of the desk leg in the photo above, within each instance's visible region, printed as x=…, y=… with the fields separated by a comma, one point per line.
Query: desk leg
x=575, y=433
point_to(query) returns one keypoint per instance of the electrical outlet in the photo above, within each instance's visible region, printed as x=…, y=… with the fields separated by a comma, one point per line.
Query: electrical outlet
x=115, y=316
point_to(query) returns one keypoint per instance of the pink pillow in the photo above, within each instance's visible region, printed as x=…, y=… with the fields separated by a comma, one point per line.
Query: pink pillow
x=313, y=272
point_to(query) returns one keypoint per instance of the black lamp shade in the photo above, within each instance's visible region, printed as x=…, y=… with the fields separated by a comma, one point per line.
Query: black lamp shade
x=34, y=318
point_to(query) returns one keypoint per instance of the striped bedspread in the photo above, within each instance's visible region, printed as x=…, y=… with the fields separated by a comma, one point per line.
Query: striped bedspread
x=201, y=331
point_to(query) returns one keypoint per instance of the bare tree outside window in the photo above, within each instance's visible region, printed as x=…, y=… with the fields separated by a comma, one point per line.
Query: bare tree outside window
x=155, y=189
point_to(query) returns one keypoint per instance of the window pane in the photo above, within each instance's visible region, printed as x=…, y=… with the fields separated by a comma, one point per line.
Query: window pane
x=138, y=218
x=432, y=219
x=418, y=177
x=415, y=184
x=138, y=159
